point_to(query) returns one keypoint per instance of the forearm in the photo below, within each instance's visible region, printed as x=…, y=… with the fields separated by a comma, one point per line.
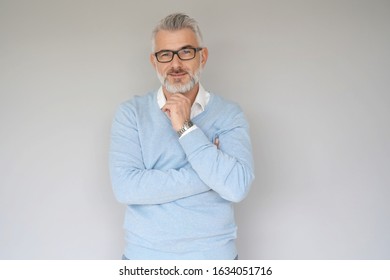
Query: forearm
x=228, y=170
x=132, y=181
x=140, y=186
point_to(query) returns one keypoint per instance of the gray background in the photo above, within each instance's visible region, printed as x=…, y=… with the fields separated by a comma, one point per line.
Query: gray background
x=312, y=77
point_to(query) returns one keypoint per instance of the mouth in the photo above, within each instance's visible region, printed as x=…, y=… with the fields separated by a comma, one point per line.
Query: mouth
x=177, y=75
x=177, y=72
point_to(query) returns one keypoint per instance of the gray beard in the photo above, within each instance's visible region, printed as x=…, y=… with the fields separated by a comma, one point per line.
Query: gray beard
x=180, y=88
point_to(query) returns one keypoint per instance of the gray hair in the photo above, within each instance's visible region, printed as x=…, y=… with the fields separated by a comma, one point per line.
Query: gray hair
x=177, y=21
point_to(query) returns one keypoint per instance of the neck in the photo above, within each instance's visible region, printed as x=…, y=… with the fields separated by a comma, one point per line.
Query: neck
x=189, y=94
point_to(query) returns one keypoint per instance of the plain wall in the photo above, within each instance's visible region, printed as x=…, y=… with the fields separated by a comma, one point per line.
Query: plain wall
x=312, y=77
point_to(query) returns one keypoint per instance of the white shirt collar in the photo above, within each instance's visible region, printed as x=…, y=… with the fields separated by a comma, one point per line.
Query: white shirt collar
x=201, y=100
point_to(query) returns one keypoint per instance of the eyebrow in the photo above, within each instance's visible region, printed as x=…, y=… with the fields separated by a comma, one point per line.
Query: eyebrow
x=184, y=47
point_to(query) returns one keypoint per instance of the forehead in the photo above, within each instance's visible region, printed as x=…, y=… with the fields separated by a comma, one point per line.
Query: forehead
x=174, y=40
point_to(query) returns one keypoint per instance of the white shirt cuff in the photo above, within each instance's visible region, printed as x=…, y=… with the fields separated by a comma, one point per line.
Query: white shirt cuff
x=189, y=130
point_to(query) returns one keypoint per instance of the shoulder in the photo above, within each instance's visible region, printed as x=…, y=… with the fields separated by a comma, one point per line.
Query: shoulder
x=136, y=106
x=226, y=113
x=221, y=104
x=139, y=100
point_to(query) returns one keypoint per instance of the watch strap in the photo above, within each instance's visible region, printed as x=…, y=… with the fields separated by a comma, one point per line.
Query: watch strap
x=186, y=125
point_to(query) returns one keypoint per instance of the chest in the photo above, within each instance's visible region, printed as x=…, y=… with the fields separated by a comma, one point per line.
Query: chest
x=159, y=143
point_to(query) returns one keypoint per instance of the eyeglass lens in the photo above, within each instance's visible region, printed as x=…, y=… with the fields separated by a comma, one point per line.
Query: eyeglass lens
x=183, y=54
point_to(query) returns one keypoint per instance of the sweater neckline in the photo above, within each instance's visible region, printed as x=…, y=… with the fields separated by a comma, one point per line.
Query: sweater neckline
x=199, y=116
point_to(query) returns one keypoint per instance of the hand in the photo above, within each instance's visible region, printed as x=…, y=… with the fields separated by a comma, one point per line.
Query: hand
x=216, y=142
x=178, y=108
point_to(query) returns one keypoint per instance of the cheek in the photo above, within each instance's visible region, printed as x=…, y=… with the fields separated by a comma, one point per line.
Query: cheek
x=195, y=68
x=161, y=70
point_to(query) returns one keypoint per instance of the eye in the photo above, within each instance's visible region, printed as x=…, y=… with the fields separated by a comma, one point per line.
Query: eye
x=186, y=51
x=164, y=54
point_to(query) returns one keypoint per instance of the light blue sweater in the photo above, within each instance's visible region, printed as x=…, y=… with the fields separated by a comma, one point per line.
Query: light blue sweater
x=180, y=192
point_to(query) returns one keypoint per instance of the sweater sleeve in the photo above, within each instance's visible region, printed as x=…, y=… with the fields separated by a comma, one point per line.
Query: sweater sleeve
x=134, y=184
x=228, y=170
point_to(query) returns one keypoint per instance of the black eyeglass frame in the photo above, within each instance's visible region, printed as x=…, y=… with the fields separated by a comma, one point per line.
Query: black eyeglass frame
x=177, y=53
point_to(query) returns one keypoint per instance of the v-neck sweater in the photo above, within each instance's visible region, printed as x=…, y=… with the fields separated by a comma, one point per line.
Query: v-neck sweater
x=180, y=192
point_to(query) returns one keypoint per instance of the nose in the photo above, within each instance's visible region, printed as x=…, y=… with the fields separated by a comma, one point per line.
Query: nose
x=176, y=61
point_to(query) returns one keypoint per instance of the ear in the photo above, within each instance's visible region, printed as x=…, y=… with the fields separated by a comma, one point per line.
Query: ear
x=152, y=59
x=205, y=55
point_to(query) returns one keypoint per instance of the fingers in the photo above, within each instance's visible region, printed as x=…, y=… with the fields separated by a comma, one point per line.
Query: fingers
x=178, y=100
x=216, y=142
x=178, y=108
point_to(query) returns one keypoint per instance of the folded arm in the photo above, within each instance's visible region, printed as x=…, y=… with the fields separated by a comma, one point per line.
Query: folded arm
x=227, y=169
x=132, y=182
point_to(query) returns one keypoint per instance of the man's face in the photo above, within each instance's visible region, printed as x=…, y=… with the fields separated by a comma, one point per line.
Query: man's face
x=178, y=76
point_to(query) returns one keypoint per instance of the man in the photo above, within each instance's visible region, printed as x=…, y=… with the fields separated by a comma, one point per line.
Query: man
x=180, y=157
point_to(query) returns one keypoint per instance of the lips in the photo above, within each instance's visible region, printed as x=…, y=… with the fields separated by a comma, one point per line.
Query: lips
x=177, y=74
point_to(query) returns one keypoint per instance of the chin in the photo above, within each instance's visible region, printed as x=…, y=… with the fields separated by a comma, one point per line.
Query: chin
x=179, y=88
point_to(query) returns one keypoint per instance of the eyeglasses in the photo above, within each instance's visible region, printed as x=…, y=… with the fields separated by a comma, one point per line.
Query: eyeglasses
x=187, y=53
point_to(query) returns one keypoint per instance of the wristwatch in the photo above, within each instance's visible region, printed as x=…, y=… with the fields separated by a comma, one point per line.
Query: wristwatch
x=186, y=125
